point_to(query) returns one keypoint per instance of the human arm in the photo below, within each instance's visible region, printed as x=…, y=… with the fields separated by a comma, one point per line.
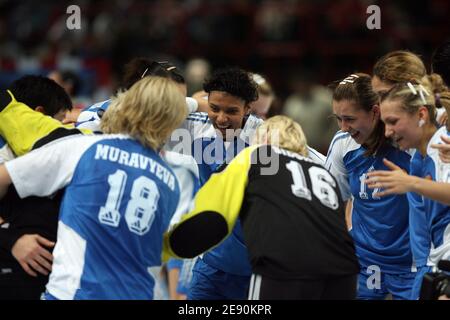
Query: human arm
x=444, y=149
x=48, y=168
x=202, y=99
x=348, y=214
x=335, y=162
x=5, y=180
x=398, y=181
x=216, y=210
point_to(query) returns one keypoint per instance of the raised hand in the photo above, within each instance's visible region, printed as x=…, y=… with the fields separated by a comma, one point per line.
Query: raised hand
x=444, y=149
x=395, y=181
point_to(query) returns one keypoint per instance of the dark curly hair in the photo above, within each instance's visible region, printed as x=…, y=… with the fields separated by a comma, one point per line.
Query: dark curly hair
x=234, y=81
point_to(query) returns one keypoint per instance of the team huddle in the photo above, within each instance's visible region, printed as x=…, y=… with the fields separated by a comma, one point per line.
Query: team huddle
x=231, y=205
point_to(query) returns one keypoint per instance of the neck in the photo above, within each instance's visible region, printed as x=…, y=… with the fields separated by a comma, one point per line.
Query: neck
x=428, y=132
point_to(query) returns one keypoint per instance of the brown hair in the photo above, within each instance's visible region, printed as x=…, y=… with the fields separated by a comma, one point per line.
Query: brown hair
x=358, y=88
x=399, y=66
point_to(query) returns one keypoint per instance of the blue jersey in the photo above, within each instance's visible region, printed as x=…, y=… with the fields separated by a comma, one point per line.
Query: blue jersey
x=197, y=137
x=438, y=214
x=119, y=199
x=210, y=151
x=379, y=225
x=90, y=117
x=418, y=227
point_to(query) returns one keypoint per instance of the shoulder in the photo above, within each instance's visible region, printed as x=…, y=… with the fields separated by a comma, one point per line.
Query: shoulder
x=342, y=142
x=200, y=117
x=315, y=155
x=252, y=122
x=180, y=161
x=94, y=111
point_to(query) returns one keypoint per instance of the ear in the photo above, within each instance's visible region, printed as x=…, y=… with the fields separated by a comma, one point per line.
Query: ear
x=423, y=113
x=376, y=110
x=247, y=109
x=40, y=109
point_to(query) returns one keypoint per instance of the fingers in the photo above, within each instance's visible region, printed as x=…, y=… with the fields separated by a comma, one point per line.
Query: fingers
x=383, y=193
x=45, y=242
x=446, y=139
x=37, y=267
x=391, y=165
x=379, y=173
x=445, y=156
x=44, y=264
x=27, y=269
x=46, y=254
x=438, y=146
x=443, y=120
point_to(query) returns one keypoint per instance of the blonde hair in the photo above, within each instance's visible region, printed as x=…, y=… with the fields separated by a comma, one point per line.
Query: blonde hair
x=399, y=66
x=413, y=95
x=283, y=132
x=440, y=91
x=149, y=111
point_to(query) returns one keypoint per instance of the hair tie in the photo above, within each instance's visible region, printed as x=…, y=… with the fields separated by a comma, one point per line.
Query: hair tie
x=350, y=79
x=143, y=74
x=258, y=79
x=411, y=87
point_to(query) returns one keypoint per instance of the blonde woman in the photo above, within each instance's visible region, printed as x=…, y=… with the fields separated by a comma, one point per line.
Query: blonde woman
x=120, y=195
x=291, y=213
x=408, y=111
x=399, y=67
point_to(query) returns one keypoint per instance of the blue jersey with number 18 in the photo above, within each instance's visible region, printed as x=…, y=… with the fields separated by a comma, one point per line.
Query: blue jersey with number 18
x=119, y=199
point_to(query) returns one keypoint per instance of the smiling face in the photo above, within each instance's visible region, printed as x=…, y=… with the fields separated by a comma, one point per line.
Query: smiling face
x=354, y=120
x=226, y=112
x=400, y=125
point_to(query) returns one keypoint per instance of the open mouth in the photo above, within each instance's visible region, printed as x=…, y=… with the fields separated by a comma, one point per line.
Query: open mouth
x=223, y=129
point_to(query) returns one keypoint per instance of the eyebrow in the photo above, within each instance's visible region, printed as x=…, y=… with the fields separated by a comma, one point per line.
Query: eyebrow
x=230, y=108
x=389, y=119
x=344, y=116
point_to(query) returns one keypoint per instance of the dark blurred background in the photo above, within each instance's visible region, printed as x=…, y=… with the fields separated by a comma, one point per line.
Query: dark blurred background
x=299, y=46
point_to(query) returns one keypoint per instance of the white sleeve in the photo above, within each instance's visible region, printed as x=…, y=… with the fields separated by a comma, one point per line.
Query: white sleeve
x=93, y=125
x=43, y=171
x=186, y=172
x=335, y=164
x=316, y=155
x=442, y=169
x=6, y=154
x=192, y=104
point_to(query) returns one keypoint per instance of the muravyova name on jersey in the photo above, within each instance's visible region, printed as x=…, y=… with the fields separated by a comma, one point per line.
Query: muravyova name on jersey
x=135, y=160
